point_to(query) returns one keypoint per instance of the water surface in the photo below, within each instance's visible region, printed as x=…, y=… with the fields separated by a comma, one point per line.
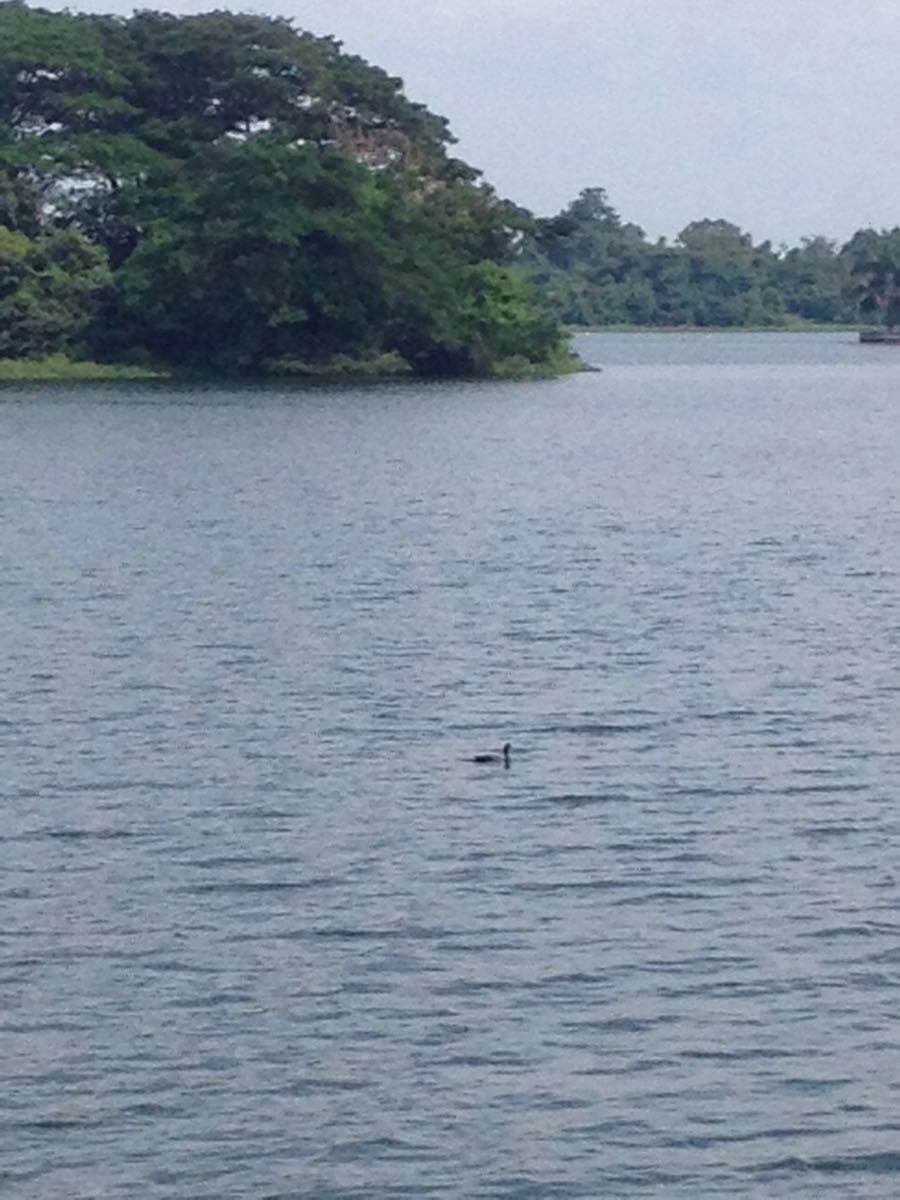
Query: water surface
x=267, y=934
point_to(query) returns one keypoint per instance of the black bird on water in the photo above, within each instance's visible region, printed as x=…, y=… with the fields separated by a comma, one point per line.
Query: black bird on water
x=503, y=756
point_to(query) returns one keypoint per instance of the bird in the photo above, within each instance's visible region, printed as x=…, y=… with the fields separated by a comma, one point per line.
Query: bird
x=503, y=756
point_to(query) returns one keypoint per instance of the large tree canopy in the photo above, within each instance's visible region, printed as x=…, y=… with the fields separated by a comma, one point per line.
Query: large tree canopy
x=263, y=198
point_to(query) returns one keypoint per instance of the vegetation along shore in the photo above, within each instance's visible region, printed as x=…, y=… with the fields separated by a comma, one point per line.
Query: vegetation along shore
x=225, y=194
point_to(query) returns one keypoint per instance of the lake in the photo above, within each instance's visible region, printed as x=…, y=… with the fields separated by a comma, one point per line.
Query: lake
x=267, y=934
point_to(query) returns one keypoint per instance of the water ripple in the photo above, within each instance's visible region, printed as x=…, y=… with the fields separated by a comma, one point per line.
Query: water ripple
x=267, y=932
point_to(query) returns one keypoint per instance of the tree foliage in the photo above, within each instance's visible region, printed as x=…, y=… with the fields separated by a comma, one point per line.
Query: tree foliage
x=50, y=288
x=873, y=261
x=598, y=270
x=260, y=197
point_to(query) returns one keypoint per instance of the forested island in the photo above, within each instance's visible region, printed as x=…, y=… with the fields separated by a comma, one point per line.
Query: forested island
x=222, y=193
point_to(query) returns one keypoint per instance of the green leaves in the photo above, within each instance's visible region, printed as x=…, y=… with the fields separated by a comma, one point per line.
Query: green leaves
x=597, y=270
x=873, y=259
x=50, y=291
x=262, y=197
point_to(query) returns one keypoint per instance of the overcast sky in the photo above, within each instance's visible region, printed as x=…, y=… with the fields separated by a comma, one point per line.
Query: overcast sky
x=780, y=115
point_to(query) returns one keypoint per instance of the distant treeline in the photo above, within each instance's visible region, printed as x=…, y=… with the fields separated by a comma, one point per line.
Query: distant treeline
x=595, y=269
x=221, y=193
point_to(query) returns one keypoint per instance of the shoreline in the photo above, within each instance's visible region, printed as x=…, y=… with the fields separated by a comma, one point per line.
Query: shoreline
x=574, y=330
x=59, y=368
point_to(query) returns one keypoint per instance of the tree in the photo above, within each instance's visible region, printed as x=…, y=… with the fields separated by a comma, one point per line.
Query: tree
x=261, y=252
x=813, y=279
x=590, y=264
x=596, y=269
x=715, y=236
x=874, y=273
x=263, y=197
x=19, y=203
x=50, y=290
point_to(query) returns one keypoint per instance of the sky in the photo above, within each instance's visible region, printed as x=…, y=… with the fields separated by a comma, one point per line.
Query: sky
x=779, y=115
